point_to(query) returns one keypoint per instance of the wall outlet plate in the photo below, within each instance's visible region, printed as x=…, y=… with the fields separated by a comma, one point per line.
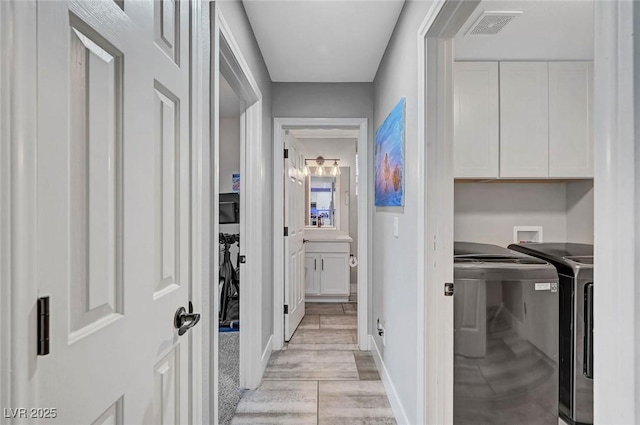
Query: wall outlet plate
x=523, y=234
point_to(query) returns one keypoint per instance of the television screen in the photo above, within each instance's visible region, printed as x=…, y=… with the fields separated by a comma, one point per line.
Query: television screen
x=229, y=208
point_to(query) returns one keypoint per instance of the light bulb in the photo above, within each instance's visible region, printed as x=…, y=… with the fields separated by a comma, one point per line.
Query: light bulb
x=335, y=170
x=306, y=170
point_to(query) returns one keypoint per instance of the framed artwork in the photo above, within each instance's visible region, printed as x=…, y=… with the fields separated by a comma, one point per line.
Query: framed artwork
x=389, y=159
x=235, y=183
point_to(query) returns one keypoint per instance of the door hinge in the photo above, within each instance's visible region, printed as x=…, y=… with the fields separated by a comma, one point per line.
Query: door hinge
x=286, y=153
x=448, y=289
x=43, y=326
x=286, y=231
x=286, y=309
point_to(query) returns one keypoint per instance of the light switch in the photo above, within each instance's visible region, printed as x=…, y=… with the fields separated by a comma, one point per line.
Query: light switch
x=396, y=230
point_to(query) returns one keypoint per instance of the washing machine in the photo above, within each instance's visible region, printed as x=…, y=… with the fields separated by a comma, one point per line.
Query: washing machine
x=505, y=337
x=574, y=263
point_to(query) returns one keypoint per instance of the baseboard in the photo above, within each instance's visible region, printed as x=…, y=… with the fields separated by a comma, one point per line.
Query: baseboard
x=266, y=355
x=394, y=400
x=326, y=299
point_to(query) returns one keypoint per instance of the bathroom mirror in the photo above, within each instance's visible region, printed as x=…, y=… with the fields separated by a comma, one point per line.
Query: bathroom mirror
x=322, y=202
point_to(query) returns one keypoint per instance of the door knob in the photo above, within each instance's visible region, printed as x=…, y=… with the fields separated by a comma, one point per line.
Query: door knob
x=305, y=240
x=184, y=321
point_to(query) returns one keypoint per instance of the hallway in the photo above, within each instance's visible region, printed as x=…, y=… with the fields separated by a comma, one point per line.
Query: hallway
x=320, y=377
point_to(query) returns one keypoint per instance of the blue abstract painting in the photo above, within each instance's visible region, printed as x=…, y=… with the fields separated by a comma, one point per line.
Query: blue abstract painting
x=389, y=158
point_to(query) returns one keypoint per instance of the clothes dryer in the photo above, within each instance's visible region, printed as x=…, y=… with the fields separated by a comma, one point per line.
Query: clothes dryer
x=574, y=263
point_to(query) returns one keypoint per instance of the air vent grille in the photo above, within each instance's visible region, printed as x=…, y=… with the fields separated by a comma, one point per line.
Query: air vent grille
x=490, y=23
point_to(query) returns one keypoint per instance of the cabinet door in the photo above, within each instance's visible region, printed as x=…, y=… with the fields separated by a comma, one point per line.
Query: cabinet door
x=476, y=120
x=524, y=119
x=312, y=274
x=570, y=119
x=334, y=275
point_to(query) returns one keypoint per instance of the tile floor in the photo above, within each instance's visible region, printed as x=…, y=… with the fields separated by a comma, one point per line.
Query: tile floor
x=320, y=377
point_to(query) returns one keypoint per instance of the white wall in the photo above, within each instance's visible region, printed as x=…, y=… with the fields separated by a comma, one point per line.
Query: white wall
x=487, y=212
x=234, y=14
x=229, y=152
x=395, y=259
x=345, y=150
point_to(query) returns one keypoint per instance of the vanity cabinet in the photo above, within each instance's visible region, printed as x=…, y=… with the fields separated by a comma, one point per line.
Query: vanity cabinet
x=327, y=271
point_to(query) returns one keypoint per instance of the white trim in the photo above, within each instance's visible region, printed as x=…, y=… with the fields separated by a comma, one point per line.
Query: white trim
x=392, y=394
x=617, y=205
x=266, y=355
x=364, y=225
x=5, y=207
x=199, y=341
x=435, y=208
x=229, y=60
x=23, y=145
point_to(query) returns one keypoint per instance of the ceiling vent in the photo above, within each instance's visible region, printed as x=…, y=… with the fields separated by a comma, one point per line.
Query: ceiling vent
x=490, y=23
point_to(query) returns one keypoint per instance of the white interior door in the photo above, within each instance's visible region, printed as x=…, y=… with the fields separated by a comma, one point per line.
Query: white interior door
x=114, y=210
x=294, y=256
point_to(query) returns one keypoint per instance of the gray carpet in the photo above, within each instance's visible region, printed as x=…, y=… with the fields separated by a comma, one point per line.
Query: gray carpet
x=229, y=375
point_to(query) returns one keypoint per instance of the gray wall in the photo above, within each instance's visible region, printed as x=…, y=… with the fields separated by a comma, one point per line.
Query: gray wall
x=324, y=100
x=487, y=212
x=234, y=14
x=394, y=259
x=229, y=152
x=580, y=225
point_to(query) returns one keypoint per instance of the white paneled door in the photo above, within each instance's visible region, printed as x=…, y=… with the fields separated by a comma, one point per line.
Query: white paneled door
x=114, y=210
x=294, y=258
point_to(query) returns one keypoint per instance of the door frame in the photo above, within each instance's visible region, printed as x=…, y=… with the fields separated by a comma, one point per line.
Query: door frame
x=616, y=200
x=227, y=59
x=364, y=219
x=617, y=209
x=18, y=201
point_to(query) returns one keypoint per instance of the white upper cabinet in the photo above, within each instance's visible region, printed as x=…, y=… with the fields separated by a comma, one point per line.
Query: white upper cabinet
x=476, y=120
x=570, y=119
x=524, y=120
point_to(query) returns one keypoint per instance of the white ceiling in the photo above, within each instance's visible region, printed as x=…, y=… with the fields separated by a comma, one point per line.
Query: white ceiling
x=546, y=30
x=323, y=41
x=229, y=101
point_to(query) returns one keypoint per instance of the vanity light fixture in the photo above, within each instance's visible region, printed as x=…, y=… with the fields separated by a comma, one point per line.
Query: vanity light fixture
x=320, y=169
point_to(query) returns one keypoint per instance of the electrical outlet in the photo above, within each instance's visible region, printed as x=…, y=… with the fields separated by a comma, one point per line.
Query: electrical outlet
x=381, y=333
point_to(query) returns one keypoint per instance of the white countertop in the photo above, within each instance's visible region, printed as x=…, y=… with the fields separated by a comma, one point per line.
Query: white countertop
x=326, y=236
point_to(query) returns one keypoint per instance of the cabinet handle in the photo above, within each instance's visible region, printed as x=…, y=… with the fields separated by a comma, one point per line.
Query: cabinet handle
x=323, y=264
x=315, y=264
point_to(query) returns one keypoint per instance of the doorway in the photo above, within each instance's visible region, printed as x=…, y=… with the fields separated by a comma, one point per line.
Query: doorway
x=234, y=213
x=229, y=284
x=318, y=128
x=436, y=65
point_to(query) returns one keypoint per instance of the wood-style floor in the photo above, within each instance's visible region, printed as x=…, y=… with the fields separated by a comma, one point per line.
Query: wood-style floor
x=320, y=377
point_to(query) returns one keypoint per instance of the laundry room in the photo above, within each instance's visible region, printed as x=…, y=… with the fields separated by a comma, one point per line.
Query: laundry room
x=524, y=213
